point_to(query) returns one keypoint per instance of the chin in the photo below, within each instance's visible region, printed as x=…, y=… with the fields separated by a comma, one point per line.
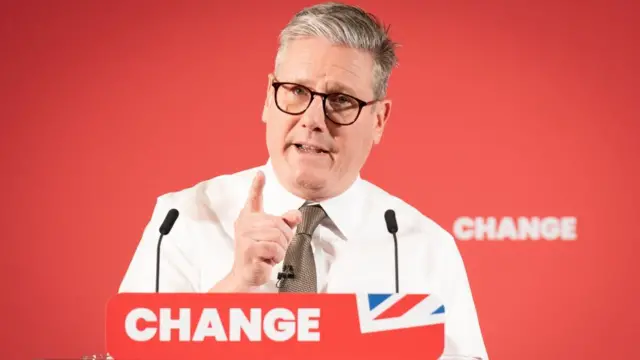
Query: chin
x=310, y=179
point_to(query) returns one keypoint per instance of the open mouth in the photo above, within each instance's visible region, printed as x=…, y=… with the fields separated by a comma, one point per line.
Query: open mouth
x=310, y=149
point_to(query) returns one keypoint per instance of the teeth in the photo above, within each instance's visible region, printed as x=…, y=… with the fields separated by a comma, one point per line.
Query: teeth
x=309, y=148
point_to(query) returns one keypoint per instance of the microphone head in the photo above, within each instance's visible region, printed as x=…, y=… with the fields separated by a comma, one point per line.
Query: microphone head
x=168, y=222
x=390, y=219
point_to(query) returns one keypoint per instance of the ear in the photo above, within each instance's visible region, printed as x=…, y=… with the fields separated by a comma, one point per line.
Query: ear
x=267, y=98
x=382, y=112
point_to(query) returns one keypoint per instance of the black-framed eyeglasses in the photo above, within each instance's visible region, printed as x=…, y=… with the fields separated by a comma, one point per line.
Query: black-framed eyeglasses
x=295, y=99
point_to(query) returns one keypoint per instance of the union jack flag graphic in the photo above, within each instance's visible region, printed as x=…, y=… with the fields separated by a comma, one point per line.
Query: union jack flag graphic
x=383, y=312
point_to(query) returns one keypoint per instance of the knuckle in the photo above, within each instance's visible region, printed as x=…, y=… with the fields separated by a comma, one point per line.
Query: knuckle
x=280, y=253
x=260, y=249
x=267, y=246
x=283, y=239
x=272, y=249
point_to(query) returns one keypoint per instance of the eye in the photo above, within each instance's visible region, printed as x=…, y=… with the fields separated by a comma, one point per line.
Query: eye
x=342, y=102
x=298, y=90
x=342, y=99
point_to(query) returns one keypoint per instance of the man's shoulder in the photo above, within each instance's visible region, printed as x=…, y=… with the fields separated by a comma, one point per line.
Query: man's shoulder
x=409, y=218
x=222, y=191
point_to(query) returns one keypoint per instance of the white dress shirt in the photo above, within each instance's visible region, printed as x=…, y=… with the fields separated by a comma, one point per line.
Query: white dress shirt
x=354, y=252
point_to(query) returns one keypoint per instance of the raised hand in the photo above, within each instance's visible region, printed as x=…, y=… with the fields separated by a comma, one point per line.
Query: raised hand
x=261, y=241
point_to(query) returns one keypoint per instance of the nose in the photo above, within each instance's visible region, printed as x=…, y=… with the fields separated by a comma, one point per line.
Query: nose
x=314, y=118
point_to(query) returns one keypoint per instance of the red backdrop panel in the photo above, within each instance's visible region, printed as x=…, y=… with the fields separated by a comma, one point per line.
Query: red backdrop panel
x=500, y=109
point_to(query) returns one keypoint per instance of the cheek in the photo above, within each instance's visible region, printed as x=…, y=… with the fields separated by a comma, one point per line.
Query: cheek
x=355, y=143
x=278, y=126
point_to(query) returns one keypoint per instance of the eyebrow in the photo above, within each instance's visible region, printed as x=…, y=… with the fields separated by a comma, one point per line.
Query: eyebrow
x=341, y=88
x=333, y=86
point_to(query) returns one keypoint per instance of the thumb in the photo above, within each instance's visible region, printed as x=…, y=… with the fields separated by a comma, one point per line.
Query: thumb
x=254, y=201
x=292, y=217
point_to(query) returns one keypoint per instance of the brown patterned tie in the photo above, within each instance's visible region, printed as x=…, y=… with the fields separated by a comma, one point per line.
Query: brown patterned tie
x=299, y=263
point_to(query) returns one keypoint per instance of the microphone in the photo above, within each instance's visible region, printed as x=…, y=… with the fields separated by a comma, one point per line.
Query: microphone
x=392, y=227
x=286, y=273
x=165, y=228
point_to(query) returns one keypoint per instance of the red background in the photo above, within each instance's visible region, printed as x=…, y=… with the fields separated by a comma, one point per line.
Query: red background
x=510, y=108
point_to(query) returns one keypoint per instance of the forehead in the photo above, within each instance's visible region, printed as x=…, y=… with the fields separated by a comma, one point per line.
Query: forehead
x=317, y=63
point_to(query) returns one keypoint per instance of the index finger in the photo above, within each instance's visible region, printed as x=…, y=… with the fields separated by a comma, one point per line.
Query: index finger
x=254, y=201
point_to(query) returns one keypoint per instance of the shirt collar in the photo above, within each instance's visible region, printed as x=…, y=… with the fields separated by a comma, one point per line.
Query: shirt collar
x=345, y=210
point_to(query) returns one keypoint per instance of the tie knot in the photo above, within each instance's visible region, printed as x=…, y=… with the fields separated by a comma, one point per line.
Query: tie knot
x=311, y=218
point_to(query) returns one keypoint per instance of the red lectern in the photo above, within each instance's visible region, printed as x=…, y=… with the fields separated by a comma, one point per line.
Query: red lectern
x=275, y=326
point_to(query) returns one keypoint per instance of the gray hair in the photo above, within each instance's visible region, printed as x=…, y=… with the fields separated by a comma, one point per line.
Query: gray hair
x=350, y=26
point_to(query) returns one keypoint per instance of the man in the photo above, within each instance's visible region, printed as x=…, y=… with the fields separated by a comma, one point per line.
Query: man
x=325, y=108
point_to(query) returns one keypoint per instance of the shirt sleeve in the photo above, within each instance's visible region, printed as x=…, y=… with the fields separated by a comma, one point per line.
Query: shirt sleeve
x=463, y=336
x=178, y=272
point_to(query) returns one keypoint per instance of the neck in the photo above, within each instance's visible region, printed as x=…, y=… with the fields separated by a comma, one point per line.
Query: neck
x=313, y=193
